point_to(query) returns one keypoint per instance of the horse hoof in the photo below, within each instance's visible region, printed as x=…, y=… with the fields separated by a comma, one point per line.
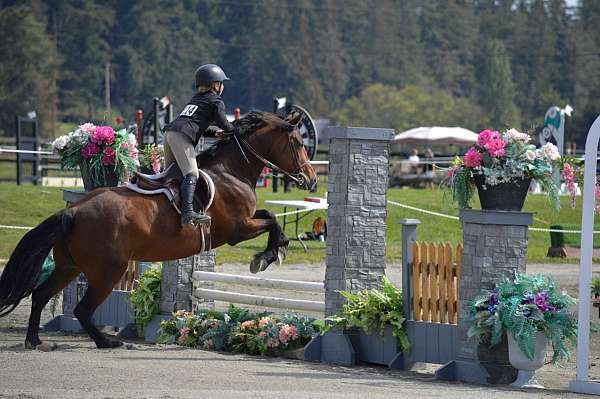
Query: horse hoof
x=109, y=344
x=255, y=265
x=282, y=253
x=263, y=264
x=42, y=346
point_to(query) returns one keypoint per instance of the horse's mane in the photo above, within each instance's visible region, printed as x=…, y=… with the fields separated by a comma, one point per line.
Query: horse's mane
x=248, y=124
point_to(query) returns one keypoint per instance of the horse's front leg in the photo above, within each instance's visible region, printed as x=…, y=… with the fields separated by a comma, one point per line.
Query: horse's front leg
x=263, y=221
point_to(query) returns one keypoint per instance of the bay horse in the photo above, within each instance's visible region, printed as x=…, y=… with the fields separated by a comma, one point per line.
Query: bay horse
x=109, y=227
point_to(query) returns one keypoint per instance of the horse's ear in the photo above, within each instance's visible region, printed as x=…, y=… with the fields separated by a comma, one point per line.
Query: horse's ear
x=294, y=118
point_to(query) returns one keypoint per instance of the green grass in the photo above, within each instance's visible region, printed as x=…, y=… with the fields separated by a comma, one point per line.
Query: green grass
x=28, y=205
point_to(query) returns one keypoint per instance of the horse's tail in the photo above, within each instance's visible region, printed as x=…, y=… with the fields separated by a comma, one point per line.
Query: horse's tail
x=21, y=273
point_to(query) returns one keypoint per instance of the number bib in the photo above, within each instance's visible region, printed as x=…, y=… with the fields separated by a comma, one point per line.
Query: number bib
x=189, y=110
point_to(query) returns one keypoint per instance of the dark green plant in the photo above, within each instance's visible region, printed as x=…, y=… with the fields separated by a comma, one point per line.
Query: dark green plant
x=372, y=310
x=595, y=287
x=524, y=306
x=557, y=238
x=145, y=297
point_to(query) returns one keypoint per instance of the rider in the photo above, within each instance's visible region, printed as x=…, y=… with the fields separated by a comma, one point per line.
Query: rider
x=182, y=135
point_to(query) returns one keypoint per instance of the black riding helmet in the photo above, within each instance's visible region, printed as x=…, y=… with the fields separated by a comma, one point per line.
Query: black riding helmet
x=208, y=73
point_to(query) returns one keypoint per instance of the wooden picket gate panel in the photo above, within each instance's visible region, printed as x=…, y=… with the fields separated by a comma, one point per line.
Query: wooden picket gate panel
x=435, y=282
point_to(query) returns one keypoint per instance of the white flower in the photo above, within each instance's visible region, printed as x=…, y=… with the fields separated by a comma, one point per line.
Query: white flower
x=515, y=135
x=131, y=139
x=530, y=155
x=60, y=143
x=550, y=151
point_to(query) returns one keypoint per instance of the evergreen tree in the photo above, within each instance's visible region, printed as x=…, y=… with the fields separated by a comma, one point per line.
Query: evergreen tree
x=497, y=91
x=27, y=67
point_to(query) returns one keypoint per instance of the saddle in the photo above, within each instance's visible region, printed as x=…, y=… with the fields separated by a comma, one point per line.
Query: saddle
x=168, y=183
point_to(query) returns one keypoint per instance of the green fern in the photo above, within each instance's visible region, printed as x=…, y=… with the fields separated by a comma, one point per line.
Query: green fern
x=371, y=310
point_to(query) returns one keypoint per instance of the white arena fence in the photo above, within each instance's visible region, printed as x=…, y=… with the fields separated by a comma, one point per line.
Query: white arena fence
x=258, y=300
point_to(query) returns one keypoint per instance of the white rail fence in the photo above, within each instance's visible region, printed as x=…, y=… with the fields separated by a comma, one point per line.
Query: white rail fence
x=259, y=300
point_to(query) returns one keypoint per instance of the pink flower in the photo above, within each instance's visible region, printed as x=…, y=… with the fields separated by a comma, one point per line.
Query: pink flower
x=495, y=147
x=248, y=325
x=452, y=171
x=185, y=331
x=263, y=322
x=109, y=157
x=88, y=127
x=155, y=162
x=103, y=135
x=487, y=135
x=90, y=150
x=288, y=333
x=472, y=158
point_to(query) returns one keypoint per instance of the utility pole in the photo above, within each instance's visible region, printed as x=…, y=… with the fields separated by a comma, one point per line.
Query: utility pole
x=107, y=90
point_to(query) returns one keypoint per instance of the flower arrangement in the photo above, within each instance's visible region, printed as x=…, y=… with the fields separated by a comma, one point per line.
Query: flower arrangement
x=98, y=151
x=372, y=310
x=502, y=158
x=523, y=306
x=153, y=157
x=238, y=330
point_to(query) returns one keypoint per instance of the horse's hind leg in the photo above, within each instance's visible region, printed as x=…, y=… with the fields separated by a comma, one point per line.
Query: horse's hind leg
x=63, y=273
x=99, y=287
x=276, y=246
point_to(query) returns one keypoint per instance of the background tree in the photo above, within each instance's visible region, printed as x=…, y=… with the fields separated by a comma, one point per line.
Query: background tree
x=27, y=67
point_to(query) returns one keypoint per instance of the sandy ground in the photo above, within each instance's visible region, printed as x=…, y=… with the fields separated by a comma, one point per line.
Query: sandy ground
x=78, y=370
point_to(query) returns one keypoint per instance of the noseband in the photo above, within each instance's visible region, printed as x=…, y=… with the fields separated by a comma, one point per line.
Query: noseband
x=298, y=176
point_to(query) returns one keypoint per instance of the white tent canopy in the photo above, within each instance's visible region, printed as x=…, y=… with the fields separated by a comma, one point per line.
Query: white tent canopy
x=437, y=135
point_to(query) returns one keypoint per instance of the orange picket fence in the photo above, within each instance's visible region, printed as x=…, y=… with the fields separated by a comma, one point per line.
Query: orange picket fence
x=435, y=282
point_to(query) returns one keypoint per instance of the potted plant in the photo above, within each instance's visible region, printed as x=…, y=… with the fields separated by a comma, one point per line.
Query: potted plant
x=153, y=157
x=501, y=166
x=378, y=317
x=104, y=156
x=531, y=312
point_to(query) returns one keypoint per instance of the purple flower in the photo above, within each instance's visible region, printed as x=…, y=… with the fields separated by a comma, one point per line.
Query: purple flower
x=493, y=299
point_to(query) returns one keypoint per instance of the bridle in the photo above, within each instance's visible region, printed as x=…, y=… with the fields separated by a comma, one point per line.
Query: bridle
x=298, y=176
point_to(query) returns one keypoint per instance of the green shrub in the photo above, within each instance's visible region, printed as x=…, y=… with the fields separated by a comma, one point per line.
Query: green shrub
x=571, y=239
x=372, y=310
x=145, y=297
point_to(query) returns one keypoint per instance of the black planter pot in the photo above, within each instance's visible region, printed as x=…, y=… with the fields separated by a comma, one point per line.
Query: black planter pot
x=110, y=178
x=504, y=196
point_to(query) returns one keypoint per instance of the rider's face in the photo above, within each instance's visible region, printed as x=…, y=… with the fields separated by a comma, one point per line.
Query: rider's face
x=219, y=87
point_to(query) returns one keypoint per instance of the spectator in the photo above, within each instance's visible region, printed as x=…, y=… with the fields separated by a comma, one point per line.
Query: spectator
x=414, y=160
x=429, y=165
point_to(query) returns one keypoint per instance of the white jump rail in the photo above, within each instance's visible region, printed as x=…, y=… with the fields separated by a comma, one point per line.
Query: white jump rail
x=259, y=300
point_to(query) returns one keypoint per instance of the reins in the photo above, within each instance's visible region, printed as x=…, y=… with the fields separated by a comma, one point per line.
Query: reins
x=299, y=178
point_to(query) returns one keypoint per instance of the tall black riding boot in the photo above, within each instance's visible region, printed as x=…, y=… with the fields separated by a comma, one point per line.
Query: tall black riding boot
x=188, y=216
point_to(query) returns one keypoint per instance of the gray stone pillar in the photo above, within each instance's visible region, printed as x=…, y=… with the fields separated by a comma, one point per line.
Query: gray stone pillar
x=495, y=246
x=356, y=196
x=205, y=262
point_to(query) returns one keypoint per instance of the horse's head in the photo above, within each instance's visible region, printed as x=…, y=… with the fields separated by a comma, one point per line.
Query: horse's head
x=279, y=142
